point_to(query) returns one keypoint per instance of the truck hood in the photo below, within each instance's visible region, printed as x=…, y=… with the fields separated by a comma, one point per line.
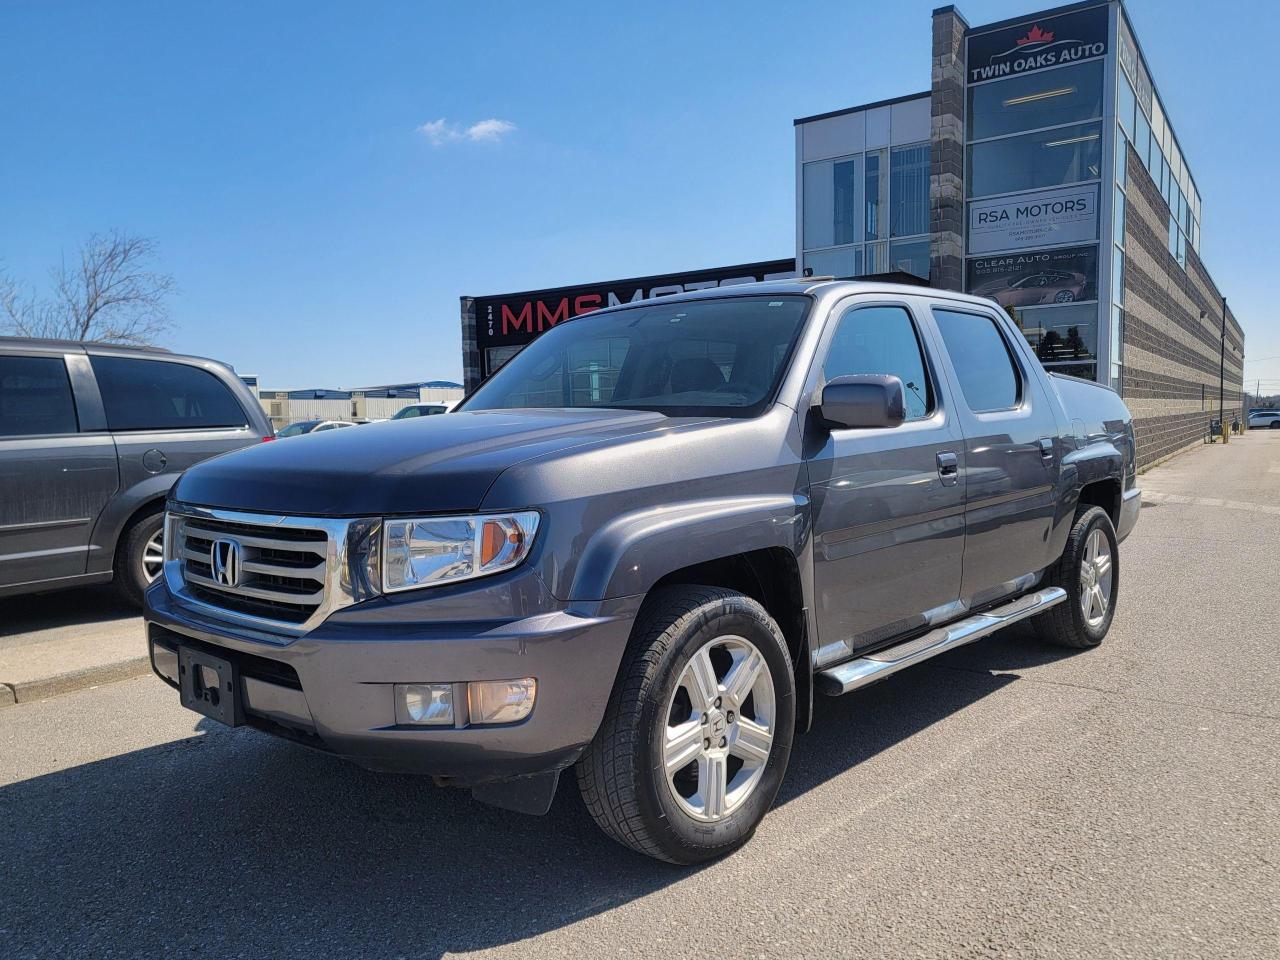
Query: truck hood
x=422, y=465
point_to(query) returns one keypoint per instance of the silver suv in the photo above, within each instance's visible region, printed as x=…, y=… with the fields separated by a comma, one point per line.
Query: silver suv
x=92, y=437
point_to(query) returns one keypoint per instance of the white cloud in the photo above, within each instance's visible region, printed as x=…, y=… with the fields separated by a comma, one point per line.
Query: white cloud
x=489, y=130
x=441, y=131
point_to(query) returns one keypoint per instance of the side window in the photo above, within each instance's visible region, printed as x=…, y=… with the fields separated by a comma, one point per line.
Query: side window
x=989, y=379
x=35, y=397
x=161, y=395
x=882, y=340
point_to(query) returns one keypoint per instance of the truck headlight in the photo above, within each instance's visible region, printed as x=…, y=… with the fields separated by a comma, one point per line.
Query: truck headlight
x=426, y=551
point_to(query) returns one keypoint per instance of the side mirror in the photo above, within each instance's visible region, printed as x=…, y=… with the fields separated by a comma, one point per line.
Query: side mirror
x=863, y=400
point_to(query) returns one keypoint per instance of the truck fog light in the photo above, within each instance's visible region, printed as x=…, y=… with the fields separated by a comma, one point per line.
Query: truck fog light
x=424, y=703
x=501, y=701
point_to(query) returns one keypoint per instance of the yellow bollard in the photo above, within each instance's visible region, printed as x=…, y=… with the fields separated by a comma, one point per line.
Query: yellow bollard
x=1226, y=430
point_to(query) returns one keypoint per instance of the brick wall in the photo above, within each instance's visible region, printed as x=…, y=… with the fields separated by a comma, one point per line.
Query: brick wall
x=1171, y=353
x=946, y=151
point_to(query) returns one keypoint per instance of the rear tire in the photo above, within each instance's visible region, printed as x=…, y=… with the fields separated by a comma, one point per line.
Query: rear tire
x=1089, y=571
x=687, y=762
x=137, y=562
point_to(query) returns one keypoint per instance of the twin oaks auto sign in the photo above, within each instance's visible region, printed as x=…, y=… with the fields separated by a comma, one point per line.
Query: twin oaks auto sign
x=1038, y=44
x=1040, y=219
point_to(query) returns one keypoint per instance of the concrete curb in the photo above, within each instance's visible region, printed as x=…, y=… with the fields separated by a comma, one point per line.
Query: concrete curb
x=28, y=690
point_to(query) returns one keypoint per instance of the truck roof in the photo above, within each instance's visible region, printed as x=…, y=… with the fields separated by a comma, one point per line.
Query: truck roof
x=824, y=285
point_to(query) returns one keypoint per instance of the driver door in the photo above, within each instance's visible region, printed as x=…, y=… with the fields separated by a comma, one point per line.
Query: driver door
x=888, y=503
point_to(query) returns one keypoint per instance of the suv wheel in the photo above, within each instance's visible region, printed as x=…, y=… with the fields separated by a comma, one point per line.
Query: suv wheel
x=140, y=557
x=1089, y=570
x=696, y=737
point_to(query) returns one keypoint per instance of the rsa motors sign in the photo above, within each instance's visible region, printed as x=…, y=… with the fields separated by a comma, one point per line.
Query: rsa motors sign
x=516, y=318
x=1041, y=219
x=1037, y=44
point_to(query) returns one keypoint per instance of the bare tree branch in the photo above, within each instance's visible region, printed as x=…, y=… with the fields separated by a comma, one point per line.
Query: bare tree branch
x=111, y=296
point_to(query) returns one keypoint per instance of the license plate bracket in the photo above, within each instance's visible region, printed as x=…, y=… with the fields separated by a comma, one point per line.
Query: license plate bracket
x=209, y=685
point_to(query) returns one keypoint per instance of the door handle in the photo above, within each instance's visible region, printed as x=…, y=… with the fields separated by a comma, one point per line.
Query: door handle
x=1046, y=449
x=948, y=468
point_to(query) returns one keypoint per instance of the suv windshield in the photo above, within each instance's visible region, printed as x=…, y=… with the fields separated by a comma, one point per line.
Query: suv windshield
x=686, y=358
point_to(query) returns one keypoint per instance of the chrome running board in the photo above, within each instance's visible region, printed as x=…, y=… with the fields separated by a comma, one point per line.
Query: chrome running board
x=860, y=672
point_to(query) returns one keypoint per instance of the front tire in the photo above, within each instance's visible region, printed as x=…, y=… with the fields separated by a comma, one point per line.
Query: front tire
x=1089, y=571
x=696, y=738
x=139, y=557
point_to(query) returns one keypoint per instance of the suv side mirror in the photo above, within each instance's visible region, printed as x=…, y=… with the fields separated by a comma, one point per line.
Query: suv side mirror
x=862, y=400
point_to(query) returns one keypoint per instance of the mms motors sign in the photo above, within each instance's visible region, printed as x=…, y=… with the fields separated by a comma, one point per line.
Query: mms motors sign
x=1037, y=45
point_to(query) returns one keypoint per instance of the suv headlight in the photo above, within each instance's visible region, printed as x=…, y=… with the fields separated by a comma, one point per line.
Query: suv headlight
x=426, y=551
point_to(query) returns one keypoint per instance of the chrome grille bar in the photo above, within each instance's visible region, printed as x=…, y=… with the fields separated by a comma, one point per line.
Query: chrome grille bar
x=289, y=573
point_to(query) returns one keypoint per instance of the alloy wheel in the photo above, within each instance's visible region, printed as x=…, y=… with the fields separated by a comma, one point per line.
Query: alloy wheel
x=1095, y=579
x=720, y=725
x=153, y=556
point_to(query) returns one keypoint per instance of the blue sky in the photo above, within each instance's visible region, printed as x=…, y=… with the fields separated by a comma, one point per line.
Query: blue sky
x=319, y=235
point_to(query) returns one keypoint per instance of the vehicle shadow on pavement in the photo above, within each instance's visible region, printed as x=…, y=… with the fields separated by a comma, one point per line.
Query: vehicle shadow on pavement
x=233, y=843
x=65, y=608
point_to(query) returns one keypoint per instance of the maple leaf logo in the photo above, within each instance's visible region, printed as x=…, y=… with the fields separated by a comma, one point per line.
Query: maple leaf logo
x=1036, y=35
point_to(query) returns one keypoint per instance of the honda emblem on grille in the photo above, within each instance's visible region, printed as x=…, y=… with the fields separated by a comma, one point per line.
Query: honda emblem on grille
x=224, y=559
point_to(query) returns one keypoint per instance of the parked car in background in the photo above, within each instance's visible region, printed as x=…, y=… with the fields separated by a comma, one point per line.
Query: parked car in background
x=312, y=426
x=1265, y=419
x=91, y=439
x=642, y=570
x=1045, y=286
x=422, y=410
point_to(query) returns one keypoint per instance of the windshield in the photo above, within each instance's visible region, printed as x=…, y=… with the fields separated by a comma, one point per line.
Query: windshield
x=686, y=358
x=296, y=429
x=418, y=411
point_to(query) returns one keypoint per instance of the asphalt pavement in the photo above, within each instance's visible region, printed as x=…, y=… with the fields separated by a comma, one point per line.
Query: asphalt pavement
x=1005, y=800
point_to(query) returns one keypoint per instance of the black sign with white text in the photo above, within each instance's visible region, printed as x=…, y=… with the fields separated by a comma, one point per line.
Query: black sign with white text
x=516, y=318
x=1037, y=44
x=1036, y=279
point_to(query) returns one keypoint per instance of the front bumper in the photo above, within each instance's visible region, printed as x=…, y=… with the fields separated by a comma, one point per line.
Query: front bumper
x=332, y=688
x=1130, y=505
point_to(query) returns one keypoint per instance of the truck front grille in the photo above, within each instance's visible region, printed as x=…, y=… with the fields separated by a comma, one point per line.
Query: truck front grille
x=277, y=573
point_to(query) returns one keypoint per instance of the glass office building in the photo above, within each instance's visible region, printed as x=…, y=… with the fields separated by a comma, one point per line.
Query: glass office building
x=1040, y=169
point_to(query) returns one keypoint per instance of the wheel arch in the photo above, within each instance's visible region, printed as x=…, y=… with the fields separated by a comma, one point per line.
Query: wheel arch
x=772, y=577
x=122, y=512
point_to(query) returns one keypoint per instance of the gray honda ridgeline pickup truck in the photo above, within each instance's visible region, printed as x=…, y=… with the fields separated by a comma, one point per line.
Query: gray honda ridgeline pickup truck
x=640, y=547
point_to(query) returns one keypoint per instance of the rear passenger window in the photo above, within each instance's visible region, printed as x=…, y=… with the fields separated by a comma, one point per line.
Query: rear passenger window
x=985, y=368
x=160, y=395
x=35, y=397
x=881, y=340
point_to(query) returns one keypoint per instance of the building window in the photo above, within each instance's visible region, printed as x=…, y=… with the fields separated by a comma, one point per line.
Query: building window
x=1142, y=138
x=1033, y=100
x=1061, y=334
x=877, y=257
x=1048, y=158
x=1117, y=275
x=1118, y=215
x=910, y=256
x=1125, y=105
x=909, y=190
x=1117, y=347
x=831, y=202
x=1122, y=158
x=835, y=262
x=876, y=192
